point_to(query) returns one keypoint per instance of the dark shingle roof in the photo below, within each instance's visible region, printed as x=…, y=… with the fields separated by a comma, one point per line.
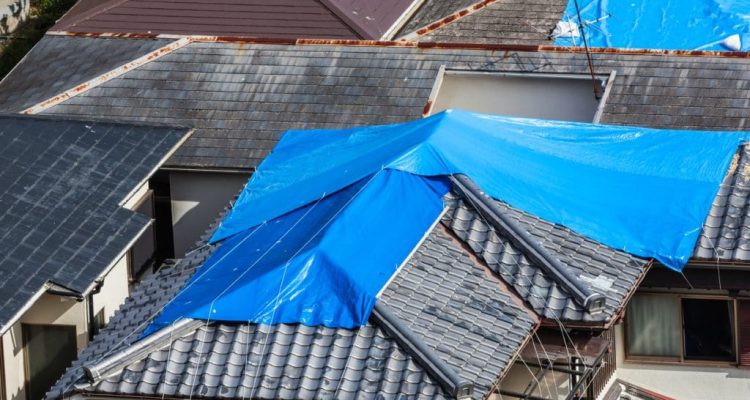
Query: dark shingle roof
x=60, y=63
x=61, y=187
x=442, y=295
x=502, y=21
x=607, y=271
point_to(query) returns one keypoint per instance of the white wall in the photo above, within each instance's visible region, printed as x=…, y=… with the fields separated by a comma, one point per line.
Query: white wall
x=683, y=382
x=533, y=97
x=197, y=199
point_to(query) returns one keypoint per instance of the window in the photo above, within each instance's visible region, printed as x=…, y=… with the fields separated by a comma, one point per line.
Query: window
x=565, y=97
x=49, y=350
x=681, y=328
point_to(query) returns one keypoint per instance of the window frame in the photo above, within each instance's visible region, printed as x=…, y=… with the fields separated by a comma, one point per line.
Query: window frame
x=609, y=77
x=629, y=358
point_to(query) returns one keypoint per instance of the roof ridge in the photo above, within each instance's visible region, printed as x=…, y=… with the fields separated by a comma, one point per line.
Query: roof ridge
x=582, y=293
x=348, y=21
x=92, y=12
x=454, y=17
x=446, y=376
x=98, y=80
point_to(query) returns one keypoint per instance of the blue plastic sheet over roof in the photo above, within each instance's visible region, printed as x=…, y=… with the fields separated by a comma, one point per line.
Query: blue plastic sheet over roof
x=662, y=24
x=322, y=264
x=330, y=214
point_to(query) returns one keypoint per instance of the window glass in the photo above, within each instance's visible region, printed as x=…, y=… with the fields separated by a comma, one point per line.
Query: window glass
x=653, y=326
x=708, y=329
x=49, y=350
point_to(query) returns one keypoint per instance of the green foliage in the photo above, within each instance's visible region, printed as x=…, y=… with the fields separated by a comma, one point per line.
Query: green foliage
x=44, y=13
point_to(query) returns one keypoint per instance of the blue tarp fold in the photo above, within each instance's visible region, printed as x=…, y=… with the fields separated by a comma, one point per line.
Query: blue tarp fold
x=661, y=24
x=330, y=214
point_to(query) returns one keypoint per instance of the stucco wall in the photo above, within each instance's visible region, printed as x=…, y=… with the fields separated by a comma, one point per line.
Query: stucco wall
x=197, y=199
x=56, y=310
x=683, y=382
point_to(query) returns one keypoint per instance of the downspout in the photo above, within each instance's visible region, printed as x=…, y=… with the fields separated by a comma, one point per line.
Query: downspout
x=90, y=306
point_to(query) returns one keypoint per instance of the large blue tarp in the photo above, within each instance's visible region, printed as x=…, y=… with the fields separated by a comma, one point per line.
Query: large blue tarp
x=330, y=214
x=321, y=264
x=644, y=191
x=662, y=24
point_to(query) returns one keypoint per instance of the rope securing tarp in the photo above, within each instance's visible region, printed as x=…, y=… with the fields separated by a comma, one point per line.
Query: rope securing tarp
x=719, y=25
x=330, y=214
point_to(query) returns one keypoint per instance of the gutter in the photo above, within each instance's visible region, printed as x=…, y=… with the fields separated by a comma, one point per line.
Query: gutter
x=591, y=301
x=447, y=377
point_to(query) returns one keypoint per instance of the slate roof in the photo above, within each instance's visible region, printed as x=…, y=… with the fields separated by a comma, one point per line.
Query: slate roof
x=241, y=97
x=73, y=62
x=443, y=296
x=501, y=21
x=431, y=11
x=61, y=187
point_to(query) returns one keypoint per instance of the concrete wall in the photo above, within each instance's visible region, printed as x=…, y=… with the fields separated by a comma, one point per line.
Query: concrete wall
x=533, y=97
x=57, y=310
x=197, y=199
x=681, y=381
x=13, y=12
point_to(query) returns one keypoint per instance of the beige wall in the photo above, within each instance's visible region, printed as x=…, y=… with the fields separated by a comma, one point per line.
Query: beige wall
x=197, y=199
x=57, y=310
x=683, y=382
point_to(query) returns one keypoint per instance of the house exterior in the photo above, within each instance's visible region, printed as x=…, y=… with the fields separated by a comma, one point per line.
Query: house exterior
x=240, y=93
x=77, y=227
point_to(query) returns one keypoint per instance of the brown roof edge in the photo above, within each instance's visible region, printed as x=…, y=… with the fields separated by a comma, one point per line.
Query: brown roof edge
x=419, y=45
x=456, y=16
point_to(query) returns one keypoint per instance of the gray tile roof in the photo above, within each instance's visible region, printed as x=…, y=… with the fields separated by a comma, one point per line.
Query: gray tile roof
x=502, y=21
x=442, y=295
x=61, y=186
x=726, y=233
x=468, y=320
x=61, y=63
x=612, y=273
x=432, y=11
x=241, y=97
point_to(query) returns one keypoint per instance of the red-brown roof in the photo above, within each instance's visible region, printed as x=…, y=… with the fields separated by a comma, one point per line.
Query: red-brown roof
x=287, y=19
x=255, y=18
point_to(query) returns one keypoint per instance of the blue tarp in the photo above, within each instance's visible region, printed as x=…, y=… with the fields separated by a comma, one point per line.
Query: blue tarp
x=662, y=24
x=330, y=214
x=322, y=264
